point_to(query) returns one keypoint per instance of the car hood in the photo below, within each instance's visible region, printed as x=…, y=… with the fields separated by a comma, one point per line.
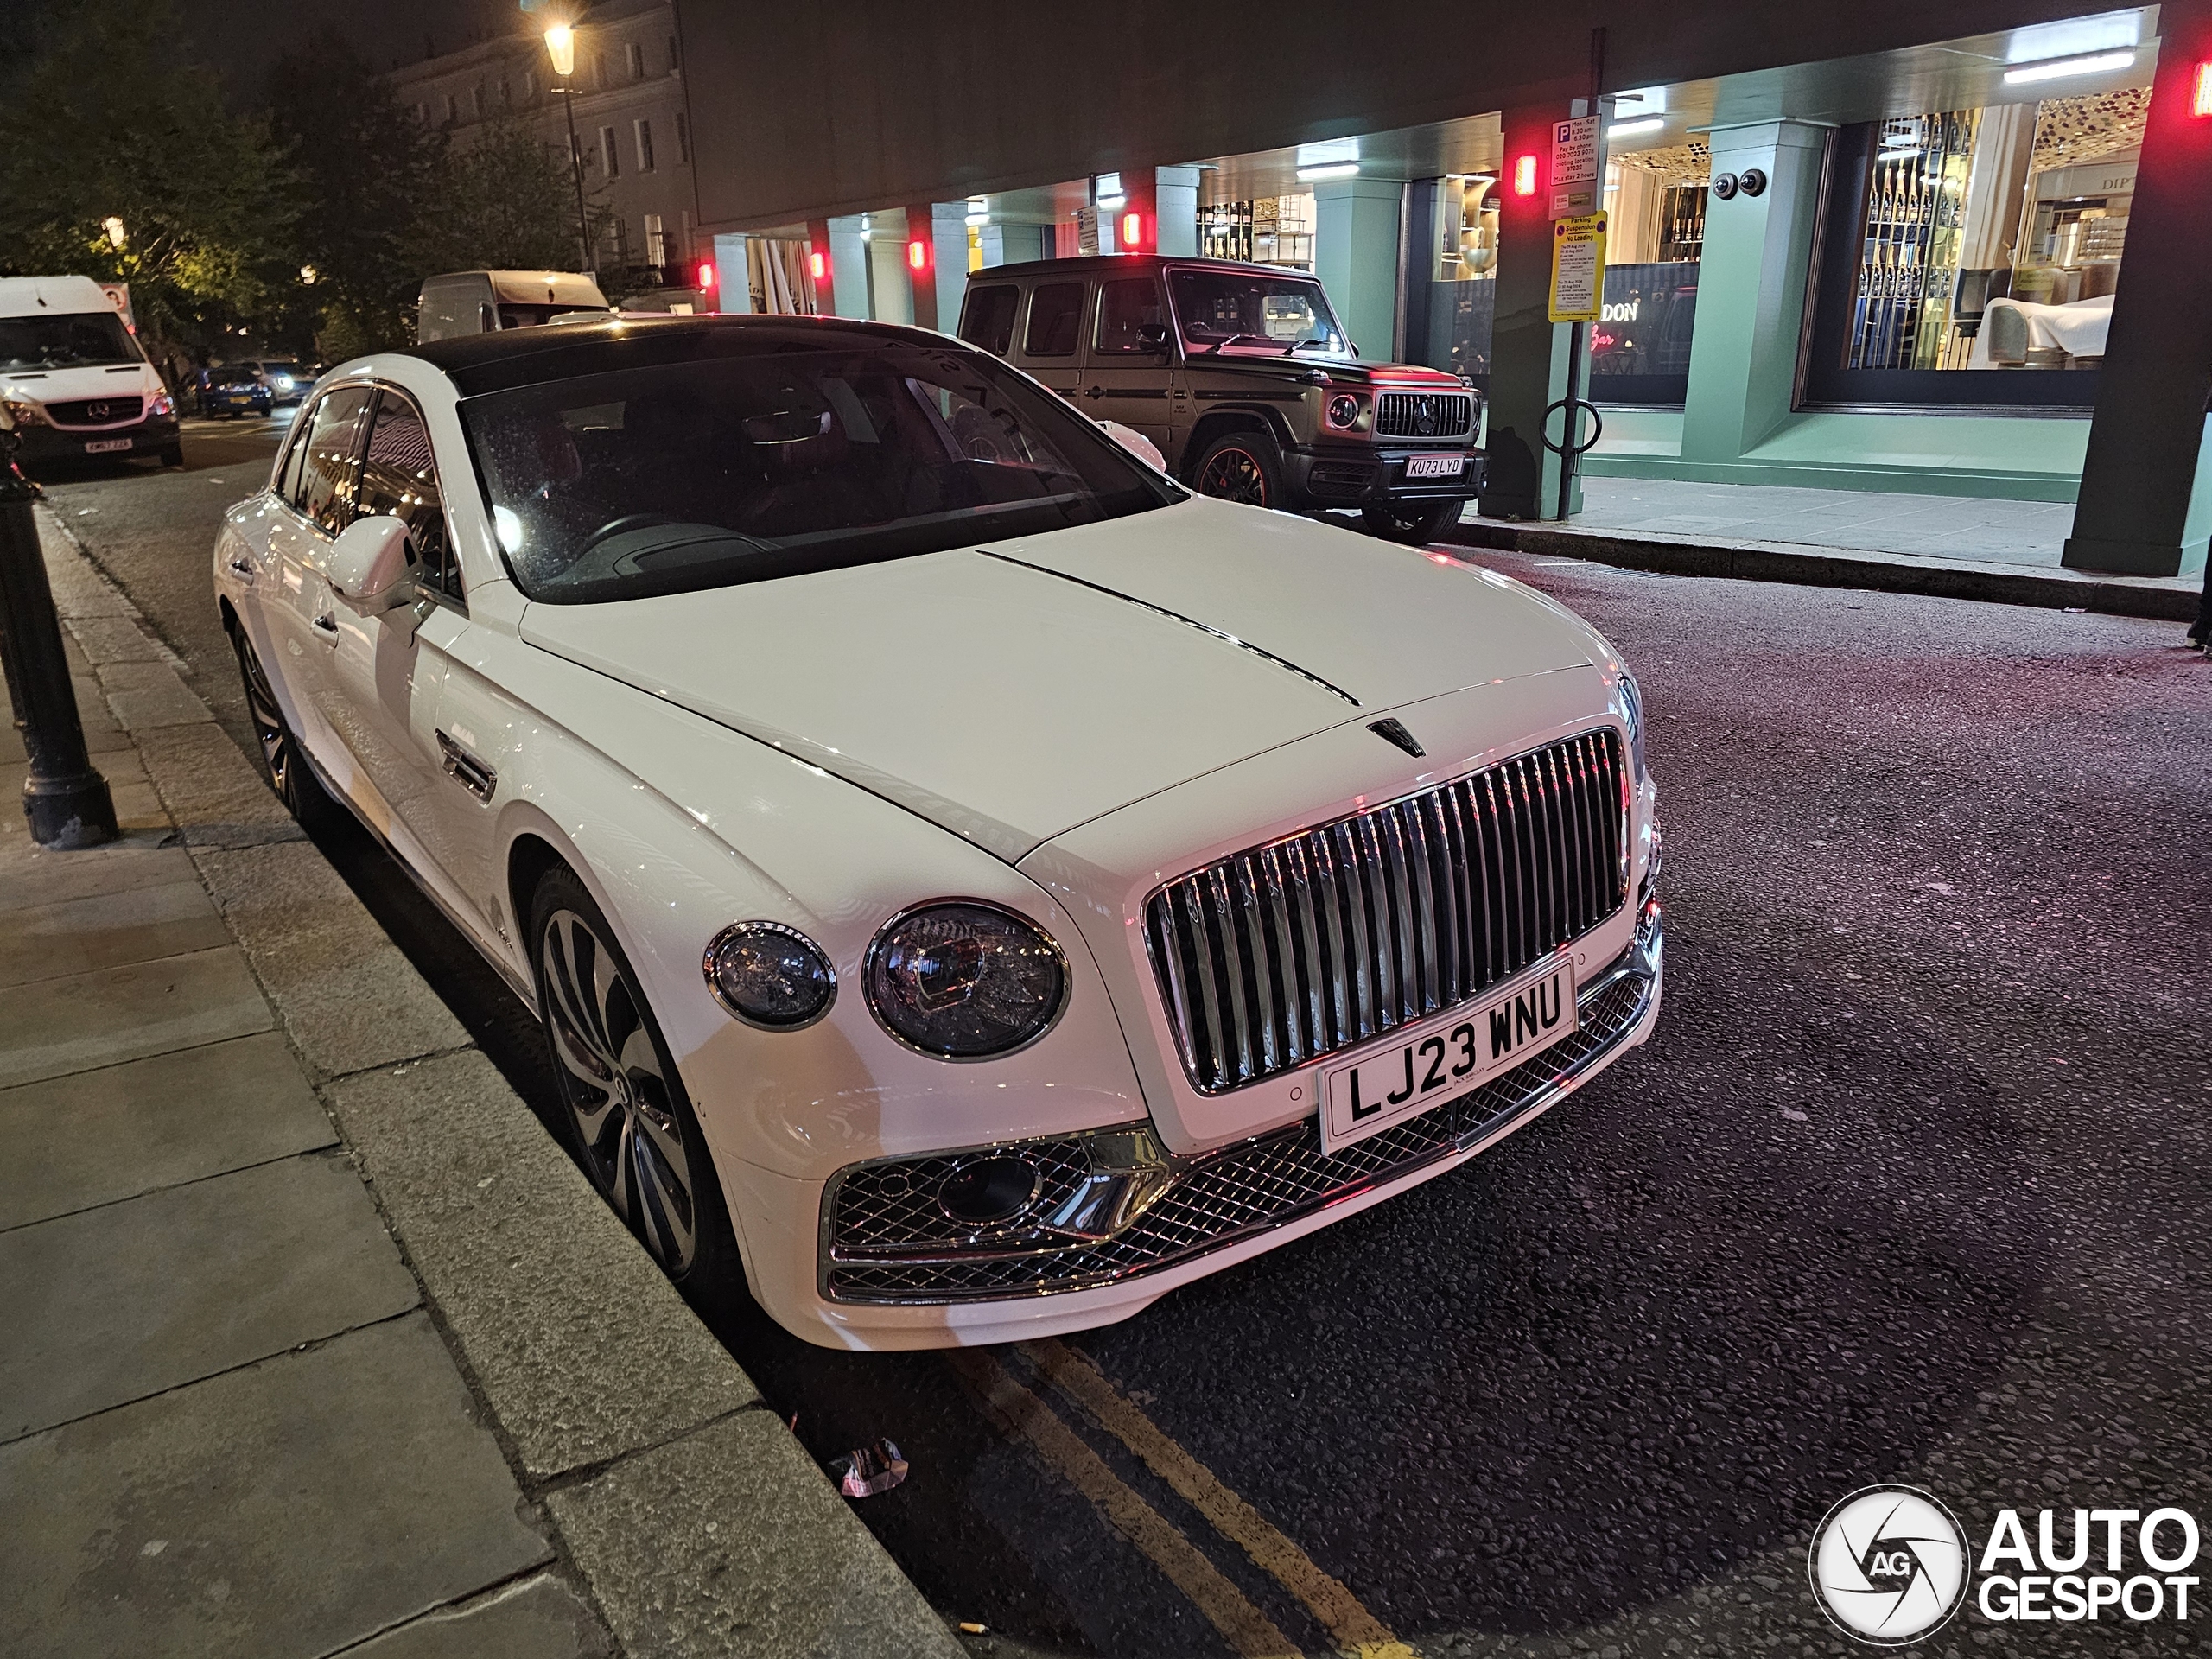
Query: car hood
x=1011, y=692
x=70, y=385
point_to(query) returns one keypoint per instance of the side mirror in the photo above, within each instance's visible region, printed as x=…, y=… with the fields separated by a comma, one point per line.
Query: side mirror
x=367, y=565
x=1152, y=336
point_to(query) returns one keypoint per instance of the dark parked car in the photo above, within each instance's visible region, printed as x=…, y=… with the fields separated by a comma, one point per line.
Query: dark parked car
x=1243, y=378
x=235, y=389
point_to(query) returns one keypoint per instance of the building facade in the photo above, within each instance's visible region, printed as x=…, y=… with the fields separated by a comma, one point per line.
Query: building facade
x=1954, y=246
x=631, y=122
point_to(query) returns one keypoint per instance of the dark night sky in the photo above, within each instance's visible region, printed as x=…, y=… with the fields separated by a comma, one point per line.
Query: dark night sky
x=242, y=38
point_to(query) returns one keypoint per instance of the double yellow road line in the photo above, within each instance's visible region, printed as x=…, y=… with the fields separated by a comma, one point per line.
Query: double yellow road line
x=1022, y=1413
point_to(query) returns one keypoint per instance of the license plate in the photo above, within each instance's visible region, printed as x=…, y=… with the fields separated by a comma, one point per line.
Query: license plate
x=1435, y=466
x=106, y=445
x=1450, y=1055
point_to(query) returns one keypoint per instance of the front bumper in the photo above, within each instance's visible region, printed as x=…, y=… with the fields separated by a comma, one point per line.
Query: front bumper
x=63, y=443
x=1349, y=476
x=1116, y=1208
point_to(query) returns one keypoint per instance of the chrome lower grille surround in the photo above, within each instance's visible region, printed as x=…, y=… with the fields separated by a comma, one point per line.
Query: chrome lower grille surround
x=874, y=1227
x=1276, y=956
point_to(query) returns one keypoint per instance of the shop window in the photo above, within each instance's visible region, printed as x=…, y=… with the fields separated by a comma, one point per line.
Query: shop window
x=1126, y=305
x=1055, y=313
x=1462, y=221
x=1266, y=231
x=989, y=321
x=1969, y=257
x=1640, y=345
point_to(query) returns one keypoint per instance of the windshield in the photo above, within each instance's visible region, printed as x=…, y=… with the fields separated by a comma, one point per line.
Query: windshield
x=726, y=470
x=73, y=340
x=1233, y=312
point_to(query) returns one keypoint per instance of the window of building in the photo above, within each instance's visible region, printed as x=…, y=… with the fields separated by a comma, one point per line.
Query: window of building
x=609, y=157
x=599, y=68
x=656, y=243
x=635, y=54
x=1269, y=231
x=988, y=319
x=507, y=93
x=645, y=147
x=422, y=113
x=1452, y=330
x=1654, y=244
x=1055, y=314
x=682, y=139
x=673, y=64
x=453, y=110
x=476, y=102
x=1128, y=305
x=529, y=85
x=399, y=478
x=1969, y=257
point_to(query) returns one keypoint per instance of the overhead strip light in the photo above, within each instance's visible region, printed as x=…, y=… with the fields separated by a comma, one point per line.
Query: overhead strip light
x=1630, y=129
x=1337, y=170
x=2057, y=68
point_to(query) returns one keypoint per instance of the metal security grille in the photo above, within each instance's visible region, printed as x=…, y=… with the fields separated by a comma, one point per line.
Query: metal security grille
x=1224, y=1196
x=1425, y=414
x=1270, y=958
x=97, y=411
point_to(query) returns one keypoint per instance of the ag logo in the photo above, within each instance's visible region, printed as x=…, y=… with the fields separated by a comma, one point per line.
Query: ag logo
x=1889, y=1565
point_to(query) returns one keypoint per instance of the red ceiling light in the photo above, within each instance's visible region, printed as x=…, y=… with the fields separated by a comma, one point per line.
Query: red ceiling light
x=2200, y=100
x=818, y=262
x=706, y=275
x=1524, y=175
x=917, y=254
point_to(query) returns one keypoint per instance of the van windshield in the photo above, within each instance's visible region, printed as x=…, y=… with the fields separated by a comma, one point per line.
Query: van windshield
x=71, y=340
x=711, y=472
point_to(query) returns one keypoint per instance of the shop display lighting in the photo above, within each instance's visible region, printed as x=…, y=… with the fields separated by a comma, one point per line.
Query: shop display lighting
x=1335, y=170
x=1630, y=129
x=2055, y=68
x=1524, y=175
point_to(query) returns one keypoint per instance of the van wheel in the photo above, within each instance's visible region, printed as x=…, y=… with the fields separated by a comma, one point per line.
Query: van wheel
x=623, y=1112
x=1244, y=466
x=173, y=455
x=1415, y=523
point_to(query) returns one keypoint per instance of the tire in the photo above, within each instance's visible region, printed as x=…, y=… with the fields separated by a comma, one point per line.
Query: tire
x=173, y=455
x=623, y=1111
x=1244, y=466
x=1415, y=523
x=283, y=762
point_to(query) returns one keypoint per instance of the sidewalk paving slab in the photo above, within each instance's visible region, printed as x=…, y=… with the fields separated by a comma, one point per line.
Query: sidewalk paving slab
x=96, y=1137
x=114, y=1014
x=538, y=1618
x=292, y=1507
x=109, y=930
x=30, y=875
x=112, y=1305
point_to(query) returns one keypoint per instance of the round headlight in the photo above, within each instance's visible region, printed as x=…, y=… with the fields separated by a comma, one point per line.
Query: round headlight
x=771, y=976
x=1343, y=409
x=964, y=980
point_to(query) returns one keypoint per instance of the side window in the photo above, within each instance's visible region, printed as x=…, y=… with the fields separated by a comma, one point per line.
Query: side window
x=1126, y=306
x=1055, y=314
x=989, y=319
x=399, y=477
x=325, y=492
x=288, y=481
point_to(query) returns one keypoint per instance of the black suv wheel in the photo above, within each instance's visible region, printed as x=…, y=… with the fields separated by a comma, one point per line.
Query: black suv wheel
x=1243, y=466
x=1416, y=523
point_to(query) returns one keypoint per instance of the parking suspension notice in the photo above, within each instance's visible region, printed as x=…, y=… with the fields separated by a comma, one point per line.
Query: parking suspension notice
x=1578, y=268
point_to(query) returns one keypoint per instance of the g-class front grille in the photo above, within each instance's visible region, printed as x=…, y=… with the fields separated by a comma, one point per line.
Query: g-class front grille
x=1425, y=414
x=1273, y=957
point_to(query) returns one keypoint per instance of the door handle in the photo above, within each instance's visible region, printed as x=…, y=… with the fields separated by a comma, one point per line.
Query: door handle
x=1095, y=391
x=243, y=568
x=327, y=624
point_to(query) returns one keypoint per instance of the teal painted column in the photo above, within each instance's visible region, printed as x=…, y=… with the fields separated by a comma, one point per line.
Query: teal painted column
x=1176, y=201
x=848, y=271
x=1356, y=257
x=1750, y=291
x=949, y=261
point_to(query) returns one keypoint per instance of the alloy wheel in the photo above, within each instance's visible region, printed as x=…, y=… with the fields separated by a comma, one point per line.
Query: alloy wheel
x=1234, y=475
x=276, y=738
x=616, y=1092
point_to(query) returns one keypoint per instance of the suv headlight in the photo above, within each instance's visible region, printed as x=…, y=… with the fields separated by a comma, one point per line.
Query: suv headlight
x=770, y=976
x=1632, y=705
x=964, y=979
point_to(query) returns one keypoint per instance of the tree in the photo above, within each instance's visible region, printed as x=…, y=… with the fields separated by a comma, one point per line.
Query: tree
x=100, y=121
x=507, y=204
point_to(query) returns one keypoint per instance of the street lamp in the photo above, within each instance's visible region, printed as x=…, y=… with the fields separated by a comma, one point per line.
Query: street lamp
x=560, y=46
x=113, y=226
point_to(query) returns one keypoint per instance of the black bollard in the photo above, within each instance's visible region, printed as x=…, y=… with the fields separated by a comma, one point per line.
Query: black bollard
x=66, y=802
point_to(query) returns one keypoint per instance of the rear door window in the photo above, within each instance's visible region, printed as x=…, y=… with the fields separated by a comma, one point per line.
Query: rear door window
x=988, y=322
x=399, y=477
x=1055, y=315
x=329, y=472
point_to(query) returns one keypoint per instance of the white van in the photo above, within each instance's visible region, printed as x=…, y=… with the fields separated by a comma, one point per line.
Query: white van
x=484, y=302
x=73, y=378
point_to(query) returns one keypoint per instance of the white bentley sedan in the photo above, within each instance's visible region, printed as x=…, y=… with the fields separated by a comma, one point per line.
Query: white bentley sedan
x=970, y=884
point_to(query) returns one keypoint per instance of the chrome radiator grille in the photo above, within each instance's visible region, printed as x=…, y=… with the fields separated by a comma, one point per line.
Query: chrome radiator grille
x=1424, y=414
x=1271, y=957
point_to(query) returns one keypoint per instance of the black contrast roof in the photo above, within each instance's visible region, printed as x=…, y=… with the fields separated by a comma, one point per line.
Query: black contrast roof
x=563, y=351
x=1085, y=264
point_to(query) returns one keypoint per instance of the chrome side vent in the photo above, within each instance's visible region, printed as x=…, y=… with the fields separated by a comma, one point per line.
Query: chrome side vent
x=1277, y=956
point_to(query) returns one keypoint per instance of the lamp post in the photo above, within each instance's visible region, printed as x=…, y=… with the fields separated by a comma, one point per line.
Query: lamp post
x=560, y=46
